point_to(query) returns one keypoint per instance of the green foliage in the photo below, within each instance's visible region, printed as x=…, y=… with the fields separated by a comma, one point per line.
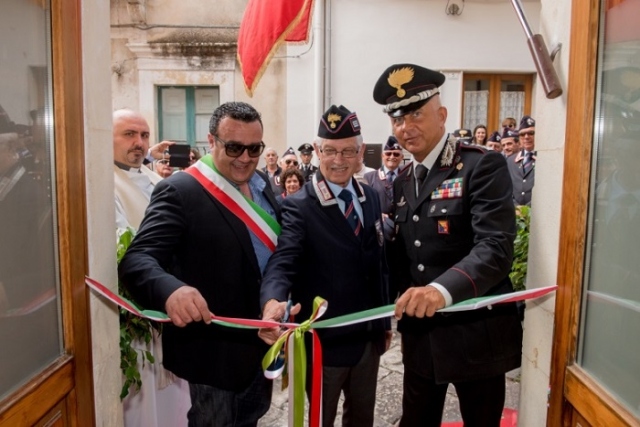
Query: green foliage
x=132, y=329
x=521, y=248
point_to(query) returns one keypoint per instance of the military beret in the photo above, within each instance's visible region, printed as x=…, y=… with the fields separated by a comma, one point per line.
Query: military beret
x=305, y=148
x=338, y=123
x=510, y=133
x=494, y=137
x=527, y=122
x=403, y=88
x=289, y=151
x=463, y=135
x=392, y=144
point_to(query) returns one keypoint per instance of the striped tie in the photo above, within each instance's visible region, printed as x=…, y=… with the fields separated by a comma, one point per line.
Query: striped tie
x=350, y=213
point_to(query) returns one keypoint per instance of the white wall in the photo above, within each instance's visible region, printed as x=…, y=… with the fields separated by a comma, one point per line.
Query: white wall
x=550, y=117
x=366, y=39
x=98, y=145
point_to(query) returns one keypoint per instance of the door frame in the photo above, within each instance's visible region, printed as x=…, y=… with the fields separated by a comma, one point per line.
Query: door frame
x=64, y=390
x=575, y=397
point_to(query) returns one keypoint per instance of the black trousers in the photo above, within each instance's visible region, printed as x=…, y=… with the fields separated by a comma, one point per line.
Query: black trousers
x=481, y=401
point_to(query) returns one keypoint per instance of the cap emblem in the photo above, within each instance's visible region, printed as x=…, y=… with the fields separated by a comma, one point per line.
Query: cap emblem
x=332, y=119
x=400, y=77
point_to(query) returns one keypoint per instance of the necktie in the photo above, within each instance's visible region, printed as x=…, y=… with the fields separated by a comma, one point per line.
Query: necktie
x=390, y=176
x=421, y=174
x=526, y=166
x=349, y=211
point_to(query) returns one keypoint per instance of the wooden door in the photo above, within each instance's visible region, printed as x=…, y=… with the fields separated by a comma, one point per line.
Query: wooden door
x=45, y=359
x=595, y=368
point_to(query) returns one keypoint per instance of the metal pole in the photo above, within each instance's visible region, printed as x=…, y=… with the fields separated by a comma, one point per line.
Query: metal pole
x=540, y=54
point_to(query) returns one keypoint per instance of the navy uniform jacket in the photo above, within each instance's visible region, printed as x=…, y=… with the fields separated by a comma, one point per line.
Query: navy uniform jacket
x=522, y=182
x=319, y=255
x=309, y=172
x=461, y=238
x=188, y=237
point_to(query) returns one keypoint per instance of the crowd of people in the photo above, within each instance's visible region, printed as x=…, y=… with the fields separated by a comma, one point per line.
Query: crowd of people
x=517, y=145
x=225, y=237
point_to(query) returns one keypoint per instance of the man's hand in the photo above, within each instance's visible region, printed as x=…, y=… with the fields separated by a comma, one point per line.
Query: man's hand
x=419, y=302
x=157, y=151
x=274, y=310
x=186, y=305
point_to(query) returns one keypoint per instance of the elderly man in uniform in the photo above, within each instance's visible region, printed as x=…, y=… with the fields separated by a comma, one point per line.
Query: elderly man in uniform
x=455, y=227
x=522, y=166
x=332, y=246
x=493, y=142
x=306, y=154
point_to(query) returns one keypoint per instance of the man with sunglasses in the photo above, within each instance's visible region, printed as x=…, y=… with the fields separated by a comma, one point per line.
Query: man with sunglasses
x=201, y=249
x=522, y=165
x=455, y=227
x=332, y=246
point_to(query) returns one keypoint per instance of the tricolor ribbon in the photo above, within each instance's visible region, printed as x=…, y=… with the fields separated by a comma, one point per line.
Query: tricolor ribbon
x=263, y=225
x=293, y=339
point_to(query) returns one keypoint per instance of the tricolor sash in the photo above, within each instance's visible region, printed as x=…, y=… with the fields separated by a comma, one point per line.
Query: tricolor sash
x=263, y=225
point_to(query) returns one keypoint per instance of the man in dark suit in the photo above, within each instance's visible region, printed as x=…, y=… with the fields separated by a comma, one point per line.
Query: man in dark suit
x=194, y=255
x=455, y=226
x=332, y=246
x=306, y=154
x=522, y=165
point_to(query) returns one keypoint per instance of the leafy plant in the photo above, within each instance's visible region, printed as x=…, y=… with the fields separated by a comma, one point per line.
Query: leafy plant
x=132, y=329
x=518, y=273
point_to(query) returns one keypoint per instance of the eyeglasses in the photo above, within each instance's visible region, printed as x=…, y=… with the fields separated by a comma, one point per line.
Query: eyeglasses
x=289, y=161
x=347, y=153
x=529, y=133
x=235, y=149
x=392, y=154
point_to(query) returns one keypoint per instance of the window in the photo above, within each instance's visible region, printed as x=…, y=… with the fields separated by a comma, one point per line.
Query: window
x=489, y=98
x=184, y=113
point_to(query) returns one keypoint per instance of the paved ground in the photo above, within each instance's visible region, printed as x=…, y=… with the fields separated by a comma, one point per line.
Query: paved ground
x=388, y=404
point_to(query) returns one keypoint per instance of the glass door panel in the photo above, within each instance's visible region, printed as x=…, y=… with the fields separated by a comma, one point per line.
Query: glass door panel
x=30, y=325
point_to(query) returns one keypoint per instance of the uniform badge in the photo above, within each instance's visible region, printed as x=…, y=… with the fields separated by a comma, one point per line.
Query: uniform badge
x=443, y=226
x=433, y=208
x=400, y=77
x=379, y=232
x=332, y=119
x=402, y=202
x=326, y=193
x=459, y=166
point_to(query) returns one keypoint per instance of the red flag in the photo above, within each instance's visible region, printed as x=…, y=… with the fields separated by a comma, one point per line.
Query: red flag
x=266, y=24
x=300, y=34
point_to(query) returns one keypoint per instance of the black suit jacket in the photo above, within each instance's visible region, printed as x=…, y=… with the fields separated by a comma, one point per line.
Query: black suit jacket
x=319, y=255
x=463, y=241
x=188, y=237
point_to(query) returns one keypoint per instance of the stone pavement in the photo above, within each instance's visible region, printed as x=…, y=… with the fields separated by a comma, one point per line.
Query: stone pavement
x=389, y=392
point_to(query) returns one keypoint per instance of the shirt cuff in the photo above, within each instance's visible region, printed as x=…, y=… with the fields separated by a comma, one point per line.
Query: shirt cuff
x=445, y=293
x=149, y=157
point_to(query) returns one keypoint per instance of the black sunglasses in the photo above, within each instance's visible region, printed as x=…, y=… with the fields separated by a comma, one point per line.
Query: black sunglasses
x=289, y=161
x=235, y=149
x=392, y=154
x=530, y=133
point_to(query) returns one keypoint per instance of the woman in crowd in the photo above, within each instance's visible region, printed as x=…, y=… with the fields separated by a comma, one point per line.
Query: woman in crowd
x=194, y=155
x=479, y=135
x=291, y=180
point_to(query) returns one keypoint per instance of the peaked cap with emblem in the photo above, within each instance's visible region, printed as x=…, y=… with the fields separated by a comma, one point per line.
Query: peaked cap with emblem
x=527, y=122
x=510, y=133
x=494, y=137
x=289, y=151
x=403, y=88
x=305, y=148
x=338, y=123
x=392, y=144
x=463, y=135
